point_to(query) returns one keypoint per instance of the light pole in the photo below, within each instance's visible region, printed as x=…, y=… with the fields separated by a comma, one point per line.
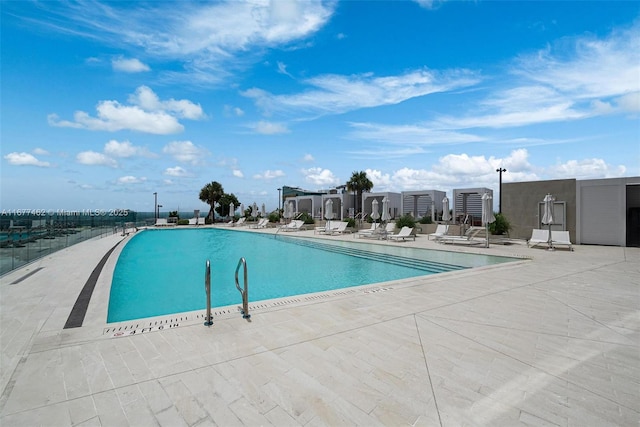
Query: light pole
x=155, y=208
x=279, y=200
x=159, y=206
x=500, y=170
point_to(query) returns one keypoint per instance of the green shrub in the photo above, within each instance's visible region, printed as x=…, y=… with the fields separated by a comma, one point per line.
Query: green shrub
x=274, y=217
x=351, y=222
x=425, y=220
x=500, y=225
x=405, y=221
x=183, y=222
x=308, y=219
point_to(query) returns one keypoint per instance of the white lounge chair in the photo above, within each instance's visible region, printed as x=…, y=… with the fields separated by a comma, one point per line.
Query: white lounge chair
x=404, y=234
x=467, y=239
x=366, y=231
x=193, y=221
x=262, y=223
x=161, y=222
x=200, y=221
x=561, y=238
x=337, y=227
x=240, y=222
x=295, y=225
x=538, y=236
x=441, y=230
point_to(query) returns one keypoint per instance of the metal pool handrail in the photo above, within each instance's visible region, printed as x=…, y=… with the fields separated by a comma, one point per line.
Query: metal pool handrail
x=244, y=292
x=208, y=321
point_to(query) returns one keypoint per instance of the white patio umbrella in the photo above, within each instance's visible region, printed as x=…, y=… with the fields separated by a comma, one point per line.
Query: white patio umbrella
x=375, y=214
x=446, y=215
x=487, y=214
x=547, y=216
x=264, y=211
x=385, y=210
x=290, y=211
x=254, y=211
x=328, y=213
x=241, y=209
x=232, y=210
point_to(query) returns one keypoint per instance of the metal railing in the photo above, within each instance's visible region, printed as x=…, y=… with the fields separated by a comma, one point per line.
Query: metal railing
x=244, y=292
x=208, y=320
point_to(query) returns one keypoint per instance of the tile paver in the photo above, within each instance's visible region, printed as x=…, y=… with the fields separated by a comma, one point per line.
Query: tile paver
x=551, y=340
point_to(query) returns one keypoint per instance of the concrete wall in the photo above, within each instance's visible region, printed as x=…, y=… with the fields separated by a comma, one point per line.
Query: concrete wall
x=520, y=204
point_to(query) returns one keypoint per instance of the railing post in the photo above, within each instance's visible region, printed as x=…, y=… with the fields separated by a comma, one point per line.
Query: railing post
x=244, y=292
x=208, y=321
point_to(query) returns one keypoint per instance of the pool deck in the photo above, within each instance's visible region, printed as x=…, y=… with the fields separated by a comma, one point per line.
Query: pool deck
x=550, y=340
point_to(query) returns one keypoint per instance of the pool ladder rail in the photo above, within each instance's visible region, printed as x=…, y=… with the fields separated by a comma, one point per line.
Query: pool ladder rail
x=244, y=292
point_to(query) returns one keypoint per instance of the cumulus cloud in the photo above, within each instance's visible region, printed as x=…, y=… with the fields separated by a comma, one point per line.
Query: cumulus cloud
x=586, y=169
x=129, y=65
x=308, y=158
x=320, y=177
x=186, y=152
x=230, y=111
x=124, y=149
x=40, y=152
x=93, y=158
x=176, y=171
x=269, y=175
x=146, y=113
x=237, y=173
x=131, y=180
x=25, y=159
x=269, y=128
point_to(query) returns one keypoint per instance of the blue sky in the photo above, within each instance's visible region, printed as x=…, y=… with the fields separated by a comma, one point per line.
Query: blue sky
x=104, y=103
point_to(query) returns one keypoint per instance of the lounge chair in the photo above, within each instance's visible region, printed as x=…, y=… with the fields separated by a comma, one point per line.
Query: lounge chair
x=366, y=231
x=200, y=221
x=161, y=222
x=441, y=230
x=240, y=222
x=262, y=223
x=193, y=221
x=538, y=236
x=561, y=238
x=467, y=239
x=295, y=225
x=404, y=234
x=338, y=227
x=379, y=232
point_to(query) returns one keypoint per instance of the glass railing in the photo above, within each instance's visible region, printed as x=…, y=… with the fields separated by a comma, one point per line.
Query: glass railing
x=27, y=236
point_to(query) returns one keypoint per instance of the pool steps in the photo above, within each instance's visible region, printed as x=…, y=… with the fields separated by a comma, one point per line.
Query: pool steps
x=424, y=265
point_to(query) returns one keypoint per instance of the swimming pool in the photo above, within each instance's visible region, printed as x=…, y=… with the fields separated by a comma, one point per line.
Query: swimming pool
x=162, y=271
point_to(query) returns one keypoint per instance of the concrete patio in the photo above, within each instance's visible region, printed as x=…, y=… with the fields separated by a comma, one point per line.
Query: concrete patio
x=552, y=339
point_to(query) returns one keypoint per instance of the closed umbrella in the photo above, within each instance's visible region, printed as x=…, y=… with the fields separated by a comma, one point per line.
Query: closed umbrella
x=487, y=213
x=375, y=214
x=328, y=213
x=547, y=216
x=241, y=209
x=264, y=211
x=232, y=210
x=446, y=215
x=385, y=210
x=254, y=210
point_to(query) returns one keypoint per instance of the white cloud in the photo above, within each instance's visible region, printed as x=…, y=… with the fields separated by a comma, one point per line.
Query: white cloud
x=131, y=180
x=269, y=175
x=175, y=171
x=95, y=158
x=269, y=128
x=147, y=99
x=233, y=111
x=237, y=173
x=629, y=102
x=308, y=158
x=282, y=69
x=114, y=148
x=129, y=65
x=148, y=114
x=186, y=152
x=212, y=40
x=320, y=177
x=25, y=159
x=335, y=94
x=40, y=152
x=586, y=169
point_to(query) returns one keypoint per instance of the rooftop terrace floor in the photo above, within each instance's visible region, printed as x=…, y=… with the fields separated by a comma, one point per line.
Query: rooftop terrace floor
x=553, y=340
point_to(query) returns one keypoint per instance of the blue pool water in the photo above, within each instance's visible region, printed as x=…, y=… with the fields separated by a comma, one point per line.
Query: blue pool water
x=161, y=272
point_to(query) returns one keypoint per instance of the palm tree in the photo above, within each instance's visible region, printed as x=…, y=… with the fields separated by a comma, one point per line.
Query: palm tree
x=359, y=183
x=211, y=194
